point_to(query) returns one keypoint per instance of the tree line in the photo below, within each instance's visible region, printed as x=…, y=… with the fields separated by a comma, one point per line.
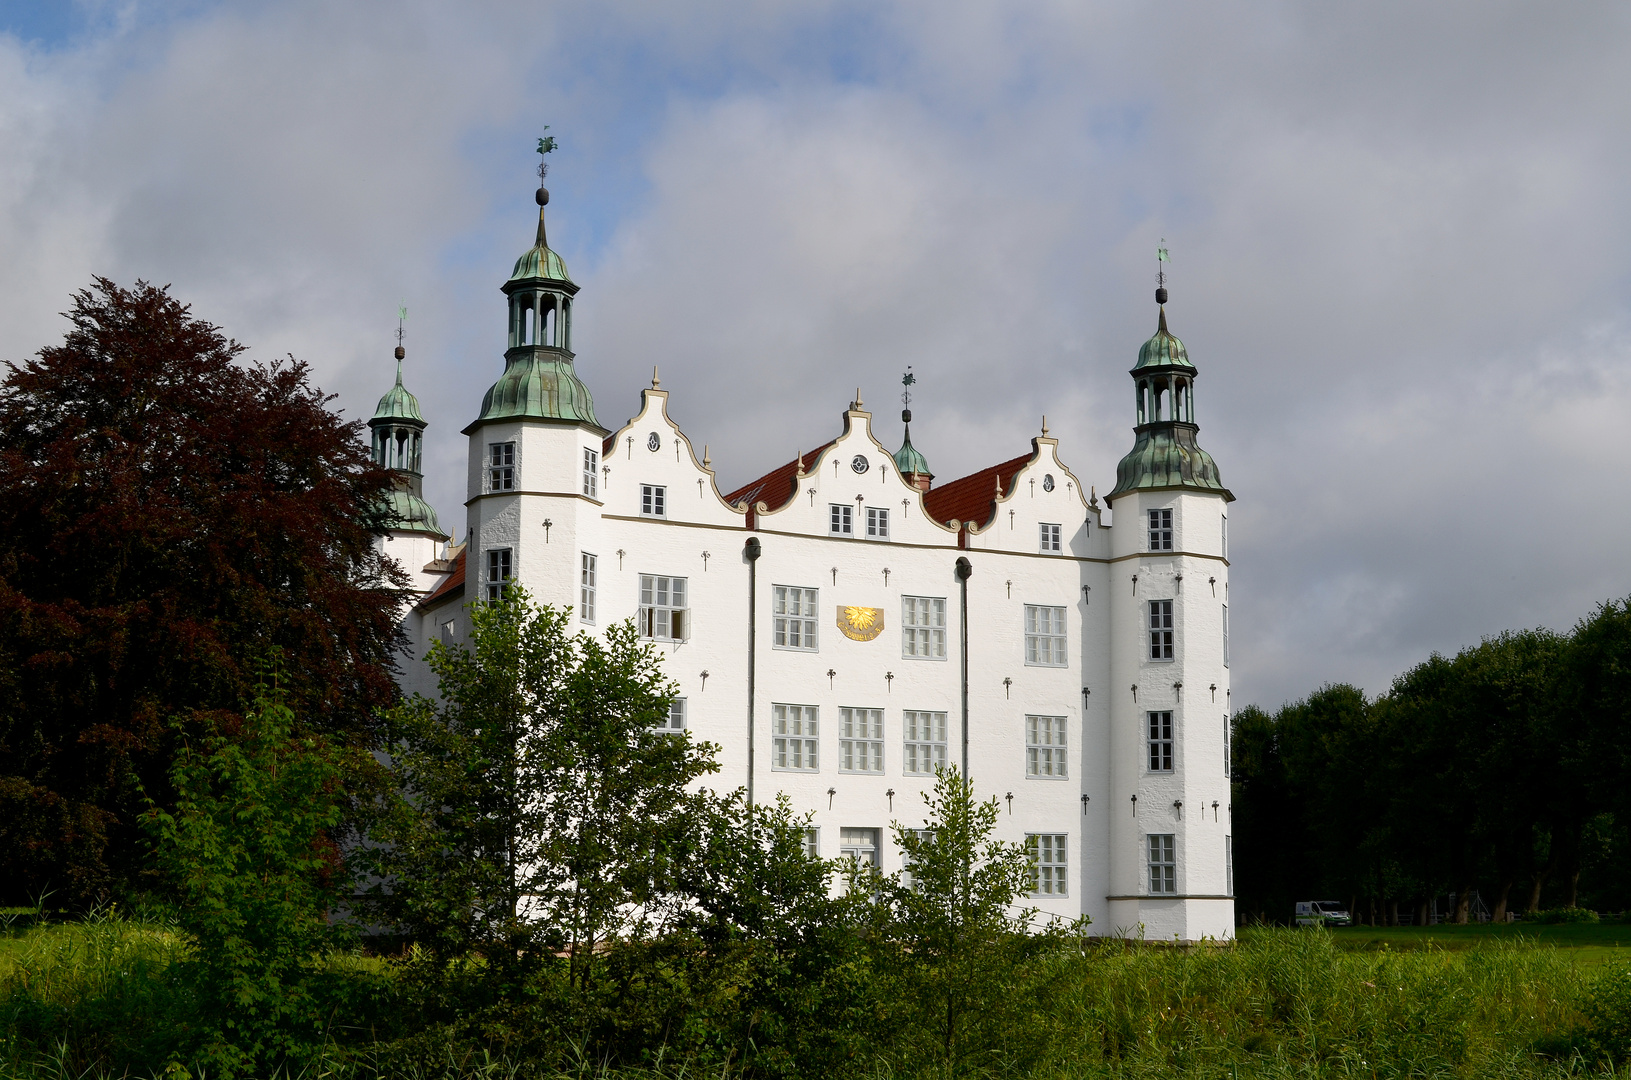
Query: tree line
x=1503, y=773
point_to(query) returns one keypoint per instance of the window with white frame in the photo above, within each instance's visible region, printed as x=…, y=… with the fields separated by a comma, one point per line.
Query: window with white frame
x=877, y=522
x=840, y=519
x=1050, y=540
x=653, y=500
x=591, y=473
x=1044, y=636
x=587, y=572
x=795, y=617
x=1160, y=741
x=1160, y=629
x=1049, y=861
x=501, y=466
x=906, y=877
x=450, y=631
x=1225, y=537
x=1228, y=736
x=860, y=740
x=676, y=717
x=1160, y=530
x=499, y=566
x=1045, y=746
x=859, y=844
x=1163, y=852
x=1225, y=635
x=1229, y=865
x=923, y=627
x=795, y=733
x=924, y=746
x=663, y=615
x=812, y=843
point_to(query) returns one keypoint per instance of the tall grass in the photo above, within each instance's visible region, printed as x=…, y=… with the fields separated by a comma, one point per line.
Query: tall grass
x=79, y=1000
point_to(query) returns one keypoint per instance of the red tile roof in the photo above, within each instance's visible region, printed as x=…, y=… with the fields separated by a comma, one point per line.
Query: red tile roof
x=971, y=498
x=777, y=487
x=607, y=443
x=452, y=586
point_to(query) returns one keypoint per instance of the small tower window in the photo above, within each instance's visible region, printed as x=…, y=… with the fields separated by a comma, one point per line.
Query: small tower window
x=501, y=466
x=1160, y=530
x=1163, y=864
x=1160, y=741
x=591, y=472
x=1161, y=630
x=498, y=573
x=588, y=570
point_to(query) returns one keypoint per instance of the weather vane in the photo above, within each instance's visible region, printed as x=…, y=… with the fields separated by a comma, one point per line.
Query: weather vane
x=546, y=145
x=401, y=317
x=907, y=380
x=1161, y=260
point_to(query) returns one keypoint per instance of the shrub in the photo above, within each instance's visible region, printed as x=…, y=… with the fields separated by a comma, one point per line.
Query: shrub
x=1553, y=916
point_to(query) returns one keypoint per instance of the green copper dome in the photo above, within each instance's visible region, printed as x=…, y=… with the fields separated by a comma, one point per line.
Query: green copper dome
x=909, y=461
x=398, y=404
x=538, y=384
x=411, y=514
x=1163, y=350
x=539, y=261
x=1165, y=453
x=1167, y=456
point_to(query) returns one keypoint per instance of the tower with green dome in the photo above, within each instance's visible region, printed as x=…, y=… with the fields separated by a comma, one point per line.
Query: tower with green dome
x=398, y=430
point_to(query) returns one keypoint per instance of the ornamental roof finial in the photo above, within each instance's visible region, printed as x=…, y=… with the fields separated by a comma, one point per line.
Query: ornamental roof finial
x=656, y=383
x=1161, y=259
x=1044, y=425
x=546, y=145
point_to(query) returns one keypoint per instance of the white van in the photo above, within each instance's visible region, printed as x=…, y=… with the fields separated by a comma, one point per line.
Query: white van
x=1322, y=913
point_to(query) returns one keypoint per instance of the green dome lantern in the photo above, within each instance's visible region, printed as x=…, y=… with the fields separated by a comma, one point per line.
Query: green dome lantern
x=1165, y=454
x=539, y=380
x=398, y=443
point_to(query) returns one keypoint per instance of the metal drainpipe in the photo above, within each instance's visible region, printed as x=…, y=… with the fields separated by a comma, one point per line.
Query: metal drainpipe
x=752, y=550
x=964, y=570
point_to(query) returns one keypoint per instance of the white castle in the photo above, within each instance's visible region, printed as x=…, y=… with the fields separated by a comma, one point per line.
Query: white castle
x=841, y=626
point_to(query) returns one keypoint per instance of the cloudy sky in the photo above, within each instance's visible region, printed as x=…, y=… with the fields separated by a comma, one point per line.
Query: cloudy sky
x=1401, y=241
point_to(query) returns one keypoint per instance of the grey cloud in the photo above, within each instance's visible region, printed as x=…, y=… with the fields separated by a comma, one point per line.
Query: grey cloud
x=1401, y=249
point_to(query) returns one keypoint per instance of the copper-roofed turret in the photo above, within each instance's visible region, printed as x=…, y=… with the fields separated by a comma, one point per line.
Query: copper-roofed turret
x=912, y=465
x=398, y=437
x=539, y=380
x=1165, y=453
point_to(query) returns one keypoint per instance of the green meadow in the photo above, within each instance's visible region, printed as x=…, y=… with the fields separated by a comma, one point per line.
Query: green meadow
x=91, y=999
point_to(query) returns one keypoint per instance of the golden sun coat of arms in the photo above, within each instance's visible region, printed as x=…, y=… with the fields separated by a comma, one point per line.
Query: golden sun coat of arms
x=860, y=623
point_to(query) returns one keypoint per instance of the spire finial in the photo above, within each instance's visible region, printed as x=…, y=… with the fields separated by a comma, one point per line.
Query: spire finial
x=801, y=462
x=656, y=383
x=907, y=381
x=1161, y=259
x=1044, y=425
x=401, y=317
x=855, y=406
x=546, y=145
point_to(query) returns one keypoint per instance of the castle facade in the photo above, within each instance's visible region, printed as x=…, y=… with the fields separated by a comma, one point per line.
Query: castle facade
x=843, y=625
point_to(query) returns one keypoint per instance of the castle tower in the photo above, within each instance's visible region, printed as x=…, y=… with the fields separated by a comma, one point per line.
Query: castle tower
x=1171, y=843
x=534, y=459
x=413, y=535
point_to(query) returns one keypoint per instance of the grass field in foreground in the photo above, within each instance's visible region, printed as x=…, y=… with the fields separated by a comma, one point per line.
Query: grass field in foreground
x=1586, y=943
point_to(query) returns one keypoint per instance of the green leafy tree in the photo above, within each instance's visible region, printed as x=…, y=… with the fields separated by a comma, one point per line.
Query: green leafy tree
x=168, y=514
x=541, y=806
x=948, y=930
x=248, y=849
